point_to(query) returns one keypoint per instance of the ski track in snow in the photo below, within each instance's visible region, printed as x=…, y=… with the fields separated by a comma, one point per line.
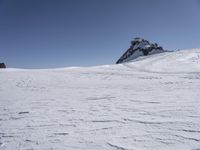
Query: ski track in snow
x=144, y=105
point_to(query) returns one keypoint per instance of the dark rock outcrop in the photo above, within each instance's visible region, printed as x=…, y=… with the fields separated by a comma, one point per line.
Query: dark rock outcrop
x=2, y=65
x=139, y=47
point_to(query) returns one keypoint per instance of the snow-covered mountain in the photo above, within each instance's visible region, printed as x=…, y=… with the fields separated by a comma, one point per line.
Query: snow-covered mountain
x=140, y=47
x=150, y=104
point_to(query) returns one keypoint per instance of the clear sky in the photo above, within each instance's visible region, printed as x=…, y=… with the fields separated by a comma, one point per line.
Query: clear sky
x=61, y=33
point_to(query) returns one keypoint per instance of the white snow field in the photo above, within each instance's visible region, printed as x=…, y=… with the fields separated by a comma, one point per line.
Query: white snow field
x=152, y=103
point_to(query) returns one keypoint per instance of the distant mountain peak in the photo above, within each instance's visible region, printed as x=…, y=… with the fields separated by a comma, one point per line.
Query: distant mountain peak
x=140, y=47
x=2, y=65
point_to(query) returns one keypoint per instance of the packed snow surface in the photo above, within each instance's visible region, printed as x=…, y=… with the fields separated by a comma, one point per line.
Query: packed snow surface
x=152, y=103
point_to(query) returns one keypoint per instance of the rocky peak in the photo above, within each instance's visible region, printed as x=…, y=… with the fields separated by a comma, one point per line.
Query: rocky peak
x=140, y=47
x=2, y=65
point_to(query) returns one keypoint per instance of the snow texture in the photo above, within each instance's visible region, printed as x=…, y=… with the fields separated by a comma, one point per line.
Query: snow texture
x=152, y=103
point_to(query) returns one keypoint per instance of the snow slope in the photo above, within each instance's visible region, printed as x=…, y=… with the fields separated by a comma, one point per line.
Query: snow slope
x=152, y=103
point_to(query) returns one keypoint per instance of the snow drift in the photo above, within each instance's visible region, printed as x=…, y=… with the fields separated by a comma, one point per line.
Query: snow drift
x=151, y=103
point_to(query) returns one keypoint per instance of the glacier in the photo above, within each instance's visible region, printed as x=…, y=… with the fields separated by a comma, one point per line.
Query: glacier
x=150, y=103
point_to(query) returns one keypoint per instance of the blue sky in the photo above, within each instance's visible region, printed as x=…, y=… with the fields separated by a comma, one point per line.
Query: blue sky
x=61, y=33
